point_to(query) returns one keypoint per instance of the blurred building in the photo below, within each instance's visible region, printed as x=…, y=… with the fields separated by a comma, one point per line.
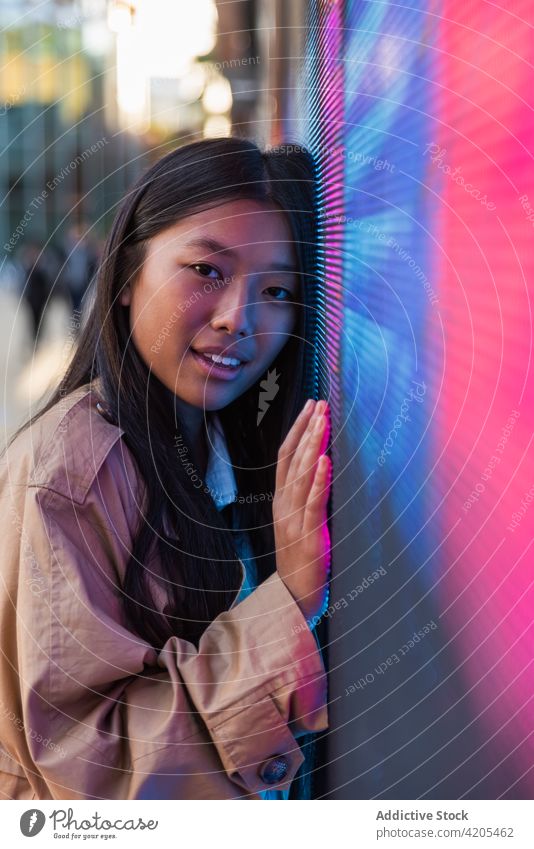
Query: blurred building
x=62, y=160
x=92, y=90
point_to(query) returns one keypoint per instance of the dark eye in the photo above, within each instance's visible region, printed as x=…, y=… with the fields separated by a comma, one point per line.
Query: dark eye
x=286, y=294
x=204, y=269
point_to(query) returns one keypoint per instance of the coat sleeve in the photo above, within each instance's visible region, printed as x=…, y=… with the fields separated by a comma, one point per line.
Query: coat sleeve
x=127, y=721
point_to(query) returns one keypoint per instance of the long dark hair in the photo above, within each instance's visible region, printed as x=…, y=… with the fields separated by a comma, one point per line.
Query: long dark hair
x=199, y=569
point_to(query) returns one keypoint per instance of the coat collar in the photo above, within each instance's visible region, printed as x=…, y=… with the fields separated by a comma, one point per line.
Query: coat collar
x=219, y=477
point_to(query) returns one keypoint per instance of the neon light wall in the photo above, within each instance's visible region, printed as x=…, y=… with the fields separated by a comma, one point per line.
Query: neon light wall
x=421, y=118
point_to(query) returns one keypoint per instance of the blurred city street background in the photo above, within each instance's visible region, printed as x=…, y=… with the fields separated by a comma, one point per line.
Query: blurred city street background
x=91, y=92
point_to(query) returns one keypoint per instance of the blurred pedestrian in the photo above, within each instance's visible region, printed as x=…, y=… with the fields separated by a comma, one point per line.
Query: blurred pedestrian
x=80, y=261
x=37, y=284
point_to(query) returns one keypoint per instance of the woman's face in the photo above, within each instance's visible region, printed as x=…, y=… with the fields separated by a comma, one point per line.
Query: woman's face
x=223, y=280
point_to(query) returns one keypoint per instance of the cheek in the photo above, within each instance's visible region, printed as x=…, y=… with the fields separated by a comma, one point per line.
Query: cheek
x=148, y=312
x=180, y=312
x=286, y=324
x=153, y=319
x=282, y=328
x=143, y=323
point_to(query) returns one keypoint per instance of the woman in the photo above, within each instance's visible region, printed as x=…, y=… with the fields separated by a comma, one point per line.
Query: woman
x=140, y=658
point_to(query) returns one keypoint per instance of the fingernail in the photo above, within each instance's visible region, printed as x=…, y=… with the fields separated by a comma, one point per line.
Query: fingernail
x=308, y=405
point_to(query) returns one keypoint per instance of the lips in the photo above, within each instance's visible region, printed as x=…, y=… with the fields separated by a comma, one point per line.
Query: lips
x=211, y=359
x=212, y=369
x=224, y=352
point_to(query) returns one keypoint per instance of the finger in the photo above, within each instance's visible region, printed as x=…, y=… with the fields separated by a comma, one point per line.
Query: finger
x=301, y=484
x=291, y=442
x=326, y=433
x=315, y=512
x=297, y=488
x=302, y=468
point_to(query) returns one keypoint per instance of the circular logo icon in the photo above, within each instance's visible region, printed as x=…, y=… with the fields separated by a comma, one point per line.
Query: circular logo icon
x=32, y=822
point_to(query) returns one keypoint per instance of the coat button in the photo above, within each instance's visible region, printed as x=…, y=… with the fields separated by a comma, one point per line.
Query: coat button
x=104, y=412
x=274, y=770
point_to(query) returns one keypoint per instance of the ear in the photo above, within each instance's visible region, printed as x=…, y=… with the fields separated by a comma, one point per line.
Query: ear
x=126, y=296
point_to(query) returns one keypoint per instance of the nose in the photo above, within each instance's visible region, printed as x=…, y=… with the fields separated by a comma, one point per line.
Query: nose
x=235, y=312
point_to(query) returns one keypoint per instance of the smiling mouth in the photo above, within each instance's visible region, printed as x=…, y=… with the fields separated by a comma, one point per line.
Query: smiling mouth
x=213, y=368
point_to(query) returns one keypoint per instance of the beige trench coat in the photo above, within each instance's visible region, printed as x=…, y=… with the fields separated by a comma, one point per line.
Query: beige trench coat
x=87, y=708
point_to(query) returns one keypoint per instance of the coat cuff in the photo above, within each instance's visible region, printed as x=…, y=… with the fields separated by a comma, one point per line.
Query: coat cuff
x=256, y=747
x=282, y=690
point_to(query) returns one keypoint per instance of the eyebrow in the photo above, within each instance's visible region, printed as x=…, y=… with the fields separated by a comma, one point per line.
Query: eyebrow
x=213, y=246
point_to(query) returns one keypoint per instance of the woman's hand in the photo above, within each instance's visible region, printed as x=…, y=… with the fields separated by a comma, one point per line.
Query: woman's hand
x=303, y=477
